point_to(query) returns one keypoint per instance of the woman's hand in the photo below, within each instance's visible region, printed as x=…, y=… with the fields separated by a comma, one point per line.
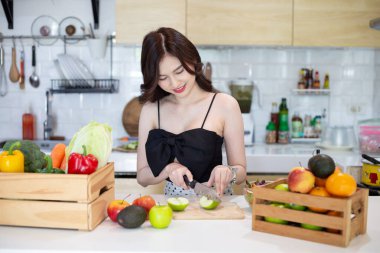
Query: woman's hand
x=176, y=171
x=220, y=177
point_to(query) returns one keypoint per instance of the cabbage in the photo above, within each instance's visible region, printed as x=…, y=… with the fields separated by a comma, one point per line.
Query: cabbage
x=98, y=140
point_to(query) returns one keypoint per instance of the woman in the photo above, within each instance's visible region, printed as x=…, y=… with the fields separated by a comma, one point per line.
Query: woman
x=184, y=120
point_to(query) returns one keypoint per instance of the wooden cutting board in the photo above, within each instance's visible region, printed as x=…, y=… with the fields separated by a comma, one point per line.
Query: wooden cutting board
x=131, y=116
x=225, y=211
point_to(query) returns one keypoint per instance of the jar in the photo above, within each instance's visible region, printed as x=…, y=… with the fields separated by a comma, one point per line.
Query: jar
x=271, y=134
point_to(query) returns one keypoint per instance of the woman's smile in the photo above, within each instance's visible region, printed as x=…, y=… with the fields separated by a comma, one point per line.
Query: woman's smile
x=180, y=89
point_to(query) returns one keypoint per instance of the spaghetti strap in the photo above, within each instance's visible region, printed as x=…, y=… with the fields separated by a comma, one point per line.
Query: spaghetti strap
x=158, y=112
x=209, y=108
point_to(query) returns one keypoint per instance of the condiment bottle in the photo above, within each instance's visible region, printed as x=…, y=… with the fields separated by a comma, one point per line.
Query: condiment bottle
x=316, y=82
x=274, y=116
x=297, y=126
x=326, y=84
x=301, y=83
x=28, y=132
x=271, y=134
x=283, y=129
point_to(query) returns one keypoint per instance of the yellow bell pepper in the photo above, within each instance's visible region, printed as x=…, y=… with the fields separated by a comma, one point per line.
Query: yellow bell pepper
x=12, y=160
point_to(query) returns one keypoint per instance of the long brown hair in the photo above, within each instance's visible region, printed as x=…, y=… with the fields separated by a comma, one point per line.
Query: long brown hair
x=155, y=45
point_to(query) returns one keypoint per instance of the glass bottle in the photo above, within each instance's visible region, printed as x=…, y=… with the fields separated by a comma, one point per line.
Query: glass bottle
x=274, y=116
x=316, y=82
x=297, y=126
x=28, y=132
x=326, y=84
x=283, y=129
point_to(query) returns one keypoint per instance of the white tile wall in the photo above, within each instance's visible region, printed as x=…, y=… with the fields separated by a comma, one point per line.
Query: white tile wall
x=354, y=76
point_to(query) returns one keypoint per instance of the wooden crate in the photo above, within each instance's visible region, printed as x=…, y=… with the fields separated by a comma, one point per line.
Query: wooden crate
x=352, y=223
x=69, y=201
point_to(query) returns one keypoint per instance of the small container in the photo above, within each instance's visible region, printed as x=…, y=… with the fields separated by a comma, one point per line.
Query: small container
x=28, y=130
x=271, y=134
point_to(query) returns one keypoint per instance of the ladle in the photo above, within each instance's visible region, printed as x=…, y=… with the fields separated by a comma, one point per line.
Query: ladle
x=14, y=75
x=34, y=79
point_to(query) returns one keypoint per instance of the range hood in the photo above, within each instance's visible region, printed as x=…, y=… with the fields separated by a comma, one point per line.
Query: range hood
x=375, y=23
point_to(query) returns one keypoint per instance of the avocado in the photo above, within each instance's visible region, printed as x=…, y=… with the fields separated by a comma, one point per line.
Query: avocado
x=131, y=216
x=321, y=165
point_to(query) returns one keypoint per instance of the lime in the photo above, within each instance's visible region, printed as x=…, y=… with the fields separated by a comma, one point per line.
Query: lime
x=178, y=204
x=208, y=204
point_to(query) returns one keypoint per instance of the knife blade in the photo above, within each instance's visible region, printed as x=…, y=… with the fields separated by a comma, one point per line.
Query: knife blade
x=202, y=190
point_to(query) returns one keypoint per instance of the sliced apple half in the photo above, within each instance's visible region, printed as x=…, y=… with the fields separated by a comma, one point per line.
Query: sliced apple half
x=178, y=204
x=208, y=204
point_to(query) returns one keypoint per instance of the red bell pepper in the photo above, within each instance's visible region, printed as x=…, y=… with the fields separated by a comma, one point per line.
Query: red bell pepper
x=82, y=163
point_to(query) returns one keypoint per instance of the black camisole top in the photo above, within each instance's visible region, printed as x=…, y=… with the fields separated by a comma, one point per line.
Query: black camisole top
x=198, y=149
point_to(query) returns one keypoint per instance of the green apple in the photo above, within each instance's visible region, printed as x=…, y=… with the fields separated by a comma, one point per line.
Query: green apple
x=276, y=220
x=310, y=226
x=178, y=204
x=160, y=216
x=295, y=207
x=208, y=204
x=282, y=187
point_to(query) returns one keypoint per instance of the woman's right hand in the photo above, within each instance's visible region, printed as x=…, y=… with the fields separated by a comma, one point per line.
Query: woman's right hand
x=176, y=171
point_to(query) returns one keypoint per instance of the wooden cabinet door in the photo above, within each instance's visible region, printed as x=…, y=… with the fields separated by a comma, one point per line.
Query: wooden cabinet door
x=135, y=18
x=240, y=22
x=336, y=23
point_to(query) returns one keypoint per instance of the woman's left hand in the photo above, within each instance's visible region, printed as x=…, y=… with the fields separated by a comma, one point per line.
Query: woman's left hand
x=220, y=177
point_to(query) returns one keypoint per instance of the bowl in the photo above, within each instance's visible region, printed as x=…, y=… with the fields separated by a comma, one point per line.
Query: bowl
x=247, y=190
x=338, y=137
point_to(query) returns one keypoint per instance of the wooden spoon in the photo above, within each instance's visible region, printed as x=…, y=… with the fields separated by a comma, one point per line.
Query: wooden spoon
x=14, y=75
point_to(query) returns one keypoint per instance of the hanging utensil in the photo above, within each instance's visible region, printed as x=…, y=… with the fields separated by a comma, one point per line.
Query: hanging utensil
x=3, y=75
x=34, y=79
x=21, y=80
x=14, y=75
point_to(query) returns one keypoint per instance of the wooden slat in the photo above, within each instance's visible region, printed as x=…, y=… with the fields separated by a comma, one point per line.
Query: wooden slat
x=299, y=233
x=60, y=187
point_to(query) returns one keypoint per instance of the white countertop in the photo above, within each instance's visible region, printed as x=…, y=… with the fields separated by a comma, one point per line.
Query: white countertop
x=262, y=158
x=180, y=236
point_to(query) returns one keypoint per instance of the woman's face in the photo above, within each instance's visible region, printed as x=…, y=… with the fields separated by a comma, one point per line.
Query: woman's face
x=173, y=77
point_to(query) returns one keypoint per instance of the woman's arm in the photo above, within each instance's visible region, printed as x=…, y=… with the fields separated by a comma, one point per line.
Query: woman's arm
x=234, y=140
x=148, y=119
x=233, y=132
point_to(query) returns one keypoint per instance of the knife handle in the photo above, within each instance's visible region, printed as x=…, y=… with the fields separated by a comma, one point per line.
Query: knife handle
x=188, y=183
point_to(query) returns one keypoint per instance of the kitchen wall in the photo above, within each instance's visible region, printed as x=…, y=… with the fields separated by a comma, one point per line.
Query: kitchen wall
x=354, y=75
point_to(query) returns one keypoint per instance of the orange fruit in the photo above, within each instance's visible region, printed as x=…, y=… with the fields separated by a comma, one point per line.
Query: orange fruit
x=319, y=191
x=341, y=184
x=334, y=213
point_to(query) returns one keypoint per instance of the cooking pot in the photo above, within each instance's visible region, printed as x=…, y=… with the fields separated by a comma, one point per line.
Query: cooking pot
x=371, y=171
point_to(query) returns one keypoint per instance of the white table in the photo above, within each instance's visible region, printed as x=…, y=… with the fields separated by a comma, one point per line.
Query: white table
x=181, y=236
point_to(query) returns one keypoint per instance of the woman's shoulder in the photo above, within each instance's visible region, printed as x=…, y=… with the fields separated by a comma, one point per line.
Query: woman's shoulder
x=226, y=101
x=149, y=108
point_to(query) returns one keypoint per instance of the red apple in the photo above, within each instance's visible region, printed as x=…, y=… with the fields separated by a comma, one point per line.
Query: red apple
x=147, y=202
x=300, y=180
x=115, y=207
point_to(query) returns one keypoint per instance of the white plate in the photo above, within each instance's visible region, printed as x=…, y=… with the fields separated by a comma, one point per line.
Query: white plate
x=328, y=146
x=74, y=68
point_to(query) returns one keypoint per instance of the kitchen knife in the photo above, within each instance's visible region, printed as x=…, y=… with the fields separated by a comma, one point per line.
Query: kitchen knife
x=202, y=190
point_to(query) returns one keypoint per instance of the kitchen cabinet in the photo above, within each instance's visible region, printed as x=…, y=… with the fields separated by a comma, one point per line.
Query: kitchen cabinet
x=134, y=19
x=341, y=23
x=240, y=22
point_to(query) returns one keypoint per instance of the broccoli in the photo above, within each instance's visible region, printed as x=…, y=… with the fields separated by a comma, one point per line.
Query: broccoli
x=34, y=158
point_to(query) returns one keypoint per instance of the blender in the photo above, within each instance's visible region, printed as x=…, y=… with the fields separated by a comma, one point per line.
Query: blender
x=242, y=91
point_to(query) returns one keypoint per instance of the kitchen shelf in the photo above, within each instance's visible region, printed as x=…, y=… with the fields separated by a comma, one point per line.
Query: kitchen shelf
x=84, y=86
x=316, y=92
